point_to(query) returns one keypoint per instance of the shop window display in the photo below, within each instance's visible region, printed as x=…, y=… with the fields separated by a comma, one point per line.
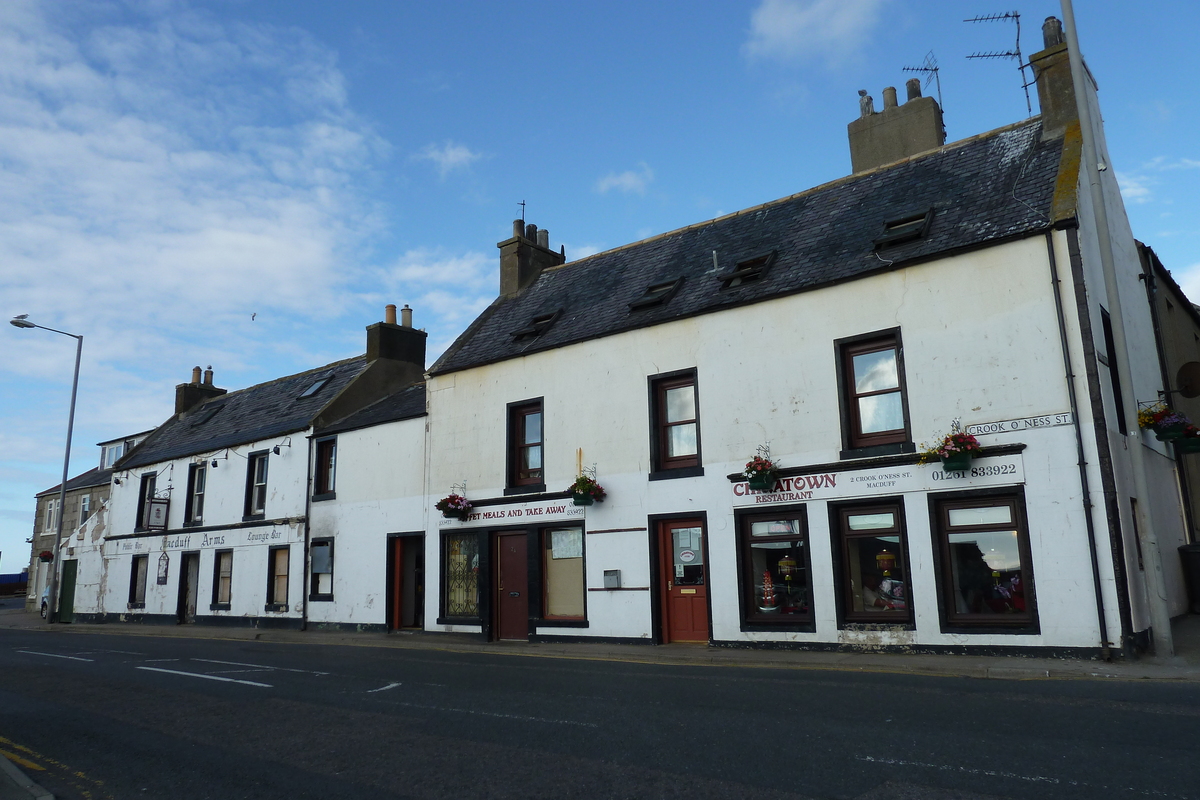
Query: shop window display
x=775, y=568
x=874, y=571
x=985, y=573
x=462, y=575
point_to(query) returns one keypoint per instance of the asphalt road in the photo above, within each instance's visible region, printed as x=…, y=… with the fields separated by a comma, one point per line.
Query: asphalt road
x=110, y=716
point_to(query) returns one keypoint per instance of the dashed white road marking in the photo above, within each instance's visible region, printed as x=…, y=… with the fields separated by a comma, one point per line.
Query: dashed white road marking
x=260, y=666
x=54, y=655
x=494, y=714
x=383, y=688
x=159, y=660
x=206, y=677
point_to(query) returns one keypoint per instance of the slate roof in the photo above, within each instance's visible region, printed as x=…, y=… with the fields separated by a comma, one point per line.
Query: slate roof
x=405, y=404
x=985, y=189
x=93, y=477
x=249, y=415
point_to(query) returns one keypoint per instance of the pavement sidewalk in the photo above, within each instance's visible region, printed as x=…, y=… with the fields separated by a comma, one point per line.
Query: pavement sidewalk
x=1184, y=666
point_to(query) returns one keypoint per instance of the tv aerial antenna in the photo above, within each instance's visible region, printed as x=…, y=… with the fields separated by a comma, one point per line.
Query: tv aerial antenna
x=1015, y=53
x=929, y=68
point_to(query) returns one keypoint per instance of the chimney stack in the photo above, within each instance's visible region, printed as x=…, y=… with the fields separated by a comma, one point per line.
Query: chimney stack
x=400, y=344
x=1052, y=72
x=190, y=395
x=524, y=256
x=897, y=132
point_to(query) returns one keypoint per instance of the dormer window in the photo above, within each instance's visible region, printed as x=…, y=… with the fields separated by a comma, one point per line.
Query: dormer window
x=206, y=414
x=657, y=294
x=904, y=229
x=747, y=271
x=316, y=386
x=537, y=326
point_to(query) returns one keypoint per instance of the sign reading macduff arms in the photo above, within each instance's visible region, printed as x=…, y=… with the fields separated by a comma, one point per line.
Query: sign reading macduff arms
x=994, y=471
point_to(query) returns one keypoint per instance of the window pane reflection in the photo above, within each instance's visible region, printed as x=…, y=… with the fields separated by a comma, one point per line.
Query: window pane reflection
x=880, y=412
x=875, y=372
x=681, y=404
x=986, y=573
x=990, y=515
x=681, y=440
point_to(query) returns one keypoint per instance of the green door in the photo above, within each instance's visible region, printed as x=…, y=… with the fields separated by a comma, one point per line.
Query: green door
x=66, y=593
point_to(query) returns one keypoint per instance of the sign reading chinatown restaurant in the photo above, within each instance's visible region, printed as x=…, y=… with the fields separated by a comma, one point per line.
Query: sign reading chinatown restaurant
x=995, y=471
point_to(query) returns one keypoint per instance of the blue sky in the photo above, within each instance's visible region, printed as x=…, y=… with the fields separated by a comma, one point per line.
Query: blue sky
x=246, y=184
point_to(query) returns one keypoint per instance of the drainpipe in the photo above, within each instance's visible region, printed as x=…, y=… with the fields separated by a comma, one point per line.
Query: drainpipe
x=1101, y=620
x=1160, y=616
x=308, y=487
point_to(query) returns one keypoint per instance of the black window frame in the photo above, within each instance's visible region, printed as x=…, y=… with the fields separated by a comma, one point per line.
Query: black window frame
x=217, y=603
x=747, y=271
x=146, y=489
x=952, y=621
x=662, y=467
x=313, y=582
x=541, y=542
x=134, y=600
x=843, y=585
x=325, y=470
x=516, y=414
x=482, y=583
x=272, y=604
x=189, y=506
x=657, y=294
x=902, y=230
x=1114, y=376
x=252, y=460
x=751, y=618
x=857, y=444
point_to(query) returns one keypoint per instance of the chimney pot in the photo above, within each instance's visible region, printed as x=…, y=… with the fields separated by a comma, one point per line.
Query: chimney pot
x=543, y=238
x=1052, y=32
x=195, y=376
x=518, y=227
x=889, y=98
x=531, y=232
x=208, y=376
x=389, y=313
x=406, y=316
x=190, y=395
x=914, y=88
x=866, y=105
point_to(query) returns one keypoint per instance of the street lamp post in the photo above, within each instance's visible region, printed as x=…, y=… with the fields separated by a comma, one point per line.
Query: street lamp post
x=52, y=603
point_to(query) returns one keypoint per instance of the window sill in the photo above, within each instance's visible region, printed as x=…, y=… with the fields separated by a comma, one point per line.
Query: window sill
x=316, y=498
x=561, y=623
x=136, y=606
x=530, y=488
x=679, y=472
x=802, y=625
x=275, y=607
x=218, y=606
x=459, y=621
x=253, y=517
x=320, y=598
x=891, y=449
x=193, y=523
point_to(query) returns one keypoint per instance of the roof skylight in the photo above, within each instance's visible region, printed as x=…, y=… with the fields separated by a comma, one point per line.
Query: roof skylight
x=537, y=326
x=316, y=386
x=904, y=229
x=748, y=271
x=657, y=294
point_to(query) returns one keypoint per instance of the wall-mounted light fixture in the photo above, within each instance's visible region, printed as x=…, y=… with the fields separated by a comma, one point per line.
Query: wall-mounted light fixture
x=285, y=443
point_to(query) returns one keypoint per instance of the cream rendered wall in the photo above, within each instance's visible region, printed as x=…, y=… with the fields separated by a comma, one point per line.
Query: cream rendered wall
x=981, y=343
x=379, y=483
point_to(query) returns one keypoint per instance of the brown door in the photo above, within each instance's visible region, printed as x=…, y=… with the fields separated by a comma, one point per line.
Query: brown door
x=682, y=581
x=189, y=588
x=512, y=583
x=406, y=583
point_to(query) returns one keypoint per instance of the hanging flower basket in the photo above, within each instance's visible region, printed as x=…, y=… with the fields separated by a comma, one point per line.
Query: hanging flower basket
x=46, y=556
x=761, y=472
x=955, y=451
x=454, y=506
x=1168, y=425
x=1187, y=444
x=585, y=491
x=1171, y=433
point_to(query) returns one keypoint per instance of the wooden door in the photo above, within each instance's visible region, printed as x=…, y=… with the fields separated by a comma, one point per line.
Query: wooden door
x=189, y=588
x=512, y=585
x=66, y=592
x=683, y=581
x=406, y=583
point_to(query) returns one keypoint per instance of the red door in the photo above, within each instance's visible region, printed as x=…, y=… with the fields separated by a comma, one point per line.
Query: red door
x=683, y=580
x=512, y=583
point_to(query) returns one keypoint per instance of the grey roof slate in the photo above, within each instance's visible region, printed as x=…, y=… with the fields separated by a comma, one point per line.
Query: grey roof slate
x=249, y=415
x=985, y=189
x=405, y=404
x=93, y=477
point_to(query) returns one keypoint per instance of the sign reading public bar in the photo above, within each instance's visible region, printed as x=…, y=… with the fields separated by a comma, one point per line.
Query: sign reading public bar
x=993, y=471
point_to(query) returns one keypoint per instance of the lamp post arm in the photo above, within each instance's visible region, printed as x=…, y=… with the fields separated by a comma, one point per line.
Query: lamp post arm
x=52, y=601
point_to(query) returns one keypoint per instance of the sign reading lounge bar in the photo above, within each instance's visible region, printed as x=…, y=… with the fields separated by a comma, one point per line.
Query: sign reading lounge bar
x=994, y=471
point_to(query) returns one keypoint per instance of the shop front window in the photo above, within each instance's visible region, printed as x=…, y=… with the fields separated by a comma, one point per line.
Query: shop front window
x=562, y=573
x=775, y=568
x=462, y=575
x=874, y=570
x=985, y=576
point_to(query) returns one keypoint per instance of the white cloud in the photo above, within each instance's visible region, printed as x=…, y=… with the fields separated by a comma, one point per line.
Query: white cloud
x=448, y=157
x=1134, y=188
x=788, y=30
x=634, y=181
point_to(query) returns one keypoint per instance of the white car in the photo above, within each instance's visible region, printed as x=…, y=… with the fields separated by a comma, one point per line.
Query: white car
x=45, y=601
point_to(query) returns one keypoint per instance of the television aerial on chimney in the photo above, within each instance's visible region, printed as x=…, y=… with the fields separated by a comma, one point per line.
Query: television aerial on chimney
x=1015, y=53
x=929, y=67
